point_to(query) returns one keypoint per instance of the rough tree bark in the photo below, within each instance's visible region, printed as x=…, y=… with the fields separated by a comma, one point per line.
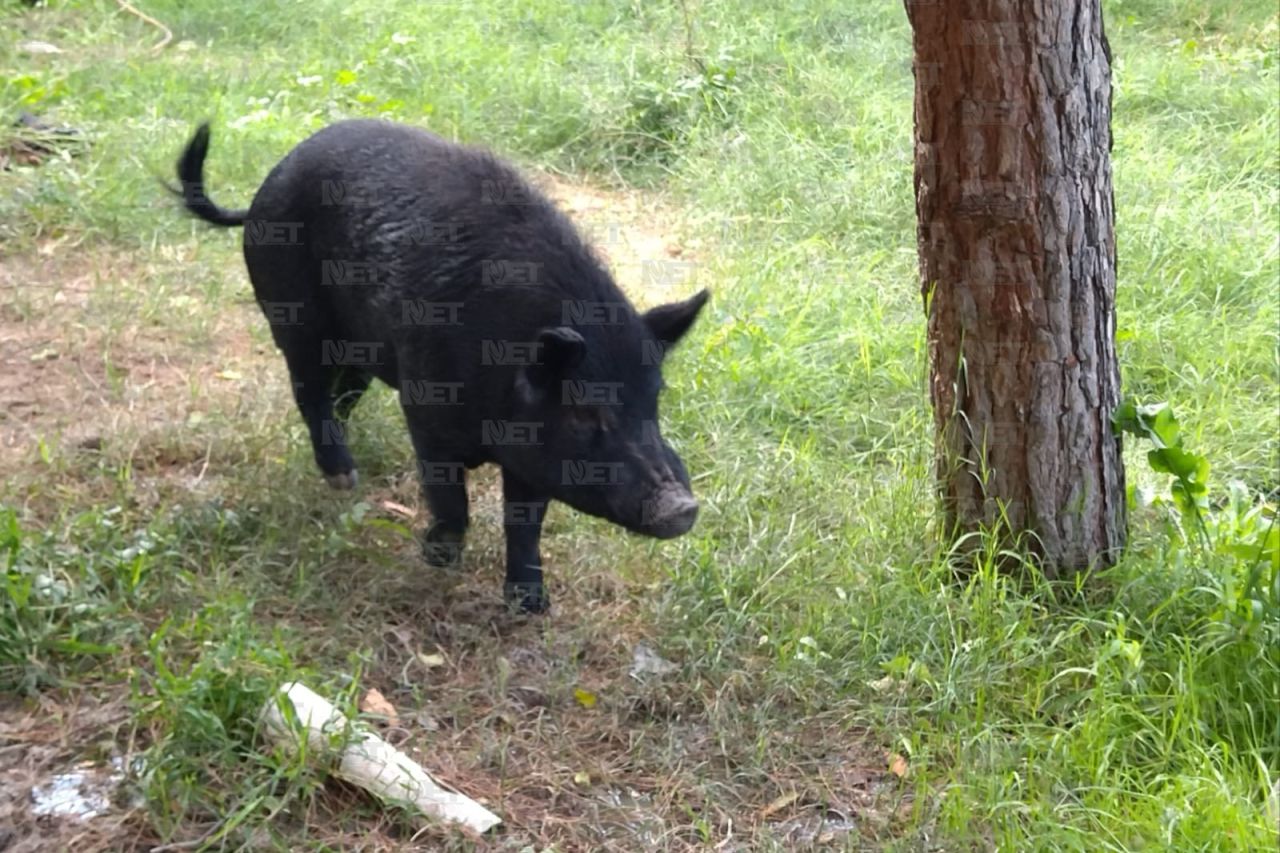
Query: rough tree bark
x=1017, y=263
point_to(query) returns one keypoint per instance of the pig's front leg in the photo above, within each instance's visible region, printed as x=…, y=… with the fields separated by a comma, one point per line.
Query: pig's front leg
x=443, y=541
x=522, y=521
x=444, y=485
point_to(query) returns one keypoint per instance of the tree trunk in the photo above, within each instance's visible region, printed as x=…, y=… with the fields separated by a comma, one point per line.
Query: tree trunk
x=1017, y=263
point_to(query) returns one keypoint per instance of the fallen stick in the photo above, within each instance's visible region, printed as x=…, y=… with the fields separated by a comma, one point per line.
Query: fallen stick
x=368, y=761
x=168, y=33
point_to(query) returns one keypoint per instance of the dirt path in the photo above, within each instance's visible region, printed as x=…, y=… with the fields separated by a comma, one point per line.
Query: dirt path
x=636, y=234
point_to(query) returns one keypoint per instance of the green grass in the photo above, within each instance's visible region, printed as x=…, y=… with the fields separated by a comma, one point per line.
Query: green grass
x=194, y=561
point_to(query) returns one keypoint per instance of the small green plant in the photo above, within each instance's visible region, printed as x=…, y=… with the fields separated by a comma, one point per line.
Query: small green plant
x=661, y=114
x=1239, y=530
x=1157, y=424
x=55, y=615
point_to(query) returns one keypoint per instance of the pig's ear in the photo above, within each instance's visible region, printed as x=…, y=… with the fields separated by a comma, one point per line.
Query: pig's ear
x=560, y=349
x=669, y=322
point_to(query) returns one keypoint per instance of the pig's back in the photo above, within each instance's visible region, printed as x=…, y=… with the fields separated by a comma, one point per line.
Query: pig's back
x=430, y=216
x=421, y=225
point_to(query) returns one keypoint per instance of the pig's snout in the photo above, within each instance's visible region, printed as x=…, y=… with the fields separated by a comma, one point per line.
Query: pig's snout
x=671, y=514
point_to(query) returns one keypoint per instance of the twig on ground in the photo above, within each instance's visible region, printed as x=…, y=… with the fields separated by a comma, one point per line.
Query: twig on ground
x=168, y=33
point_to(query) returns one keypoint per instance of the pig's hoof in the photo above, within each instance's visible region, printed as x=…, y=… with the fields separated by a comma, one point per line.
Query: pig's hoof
x=344, y=482
x=527, y=597
x=441, y=547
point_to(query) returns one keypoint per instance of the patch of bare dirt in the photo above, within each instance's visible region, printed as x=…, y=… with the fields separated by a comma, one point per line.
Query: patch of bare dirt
x=44, y=738
x=97, y=345
x=549, y=729
x=549, y=723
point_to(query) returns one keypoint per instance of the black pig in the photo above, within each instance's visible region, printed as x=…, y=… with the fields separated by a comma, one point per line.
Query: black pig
x=380, y=250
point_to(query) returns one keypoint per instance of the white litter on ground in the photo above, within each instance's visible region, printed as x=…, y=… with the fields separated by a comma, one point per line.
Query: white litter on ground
x=83, y=793
x=648, y=662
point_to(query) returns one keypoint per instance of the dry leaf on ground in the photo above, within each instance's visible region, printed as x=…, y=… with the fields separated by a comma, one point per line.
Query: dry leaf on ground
x=779, y=804
x=376, y=704
x=431, y=660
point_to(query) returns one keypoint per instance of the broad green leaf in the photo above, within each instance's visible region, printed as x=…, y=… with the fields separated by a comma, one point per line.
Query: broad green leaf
x=1165, y=426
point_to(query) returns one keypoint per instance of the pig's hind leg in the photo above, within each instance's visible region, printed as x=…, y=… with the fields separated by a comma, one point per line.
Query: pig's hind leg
x=283, y=278
x=312, y=384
